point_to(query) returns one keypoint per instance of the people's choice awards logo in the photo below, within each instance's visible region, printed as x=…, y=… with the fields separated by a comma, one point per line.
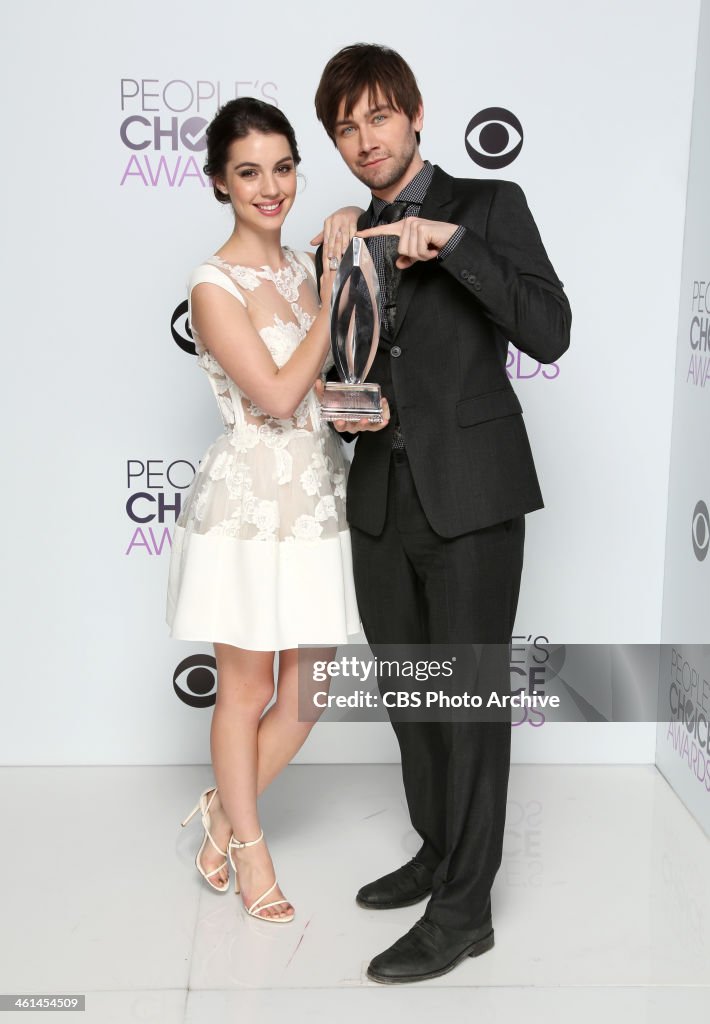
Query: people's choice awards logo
x=699, y=335
x=701, y=531
x=494, y=137
x=689, y=700
x=155, y=489
x=162, y=126
x=520, y=366
x=195, y=680
x=180, y=329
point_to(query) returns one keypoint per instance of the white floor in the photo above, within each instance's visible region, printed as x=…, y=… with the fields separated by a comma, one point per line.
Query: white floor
x=601, y=908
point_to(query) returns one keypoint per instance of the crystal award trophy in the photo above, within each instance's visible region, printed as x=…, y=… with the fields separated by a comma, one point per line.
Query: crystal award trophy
x=354, y=336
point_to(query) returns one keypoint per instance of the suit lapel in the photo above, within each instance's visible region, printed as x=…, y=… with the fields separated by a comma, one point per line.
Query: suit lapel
x=436, y=200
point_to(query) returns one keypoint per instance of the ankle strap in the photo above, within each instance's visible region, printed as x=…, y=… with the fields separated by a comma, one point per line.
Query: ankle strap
x=240, y=846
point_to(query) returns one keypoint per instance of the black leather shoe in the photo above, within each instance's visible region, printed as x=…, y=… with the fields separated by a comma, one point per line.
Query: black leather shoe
x=401, y=888
x=428, y=951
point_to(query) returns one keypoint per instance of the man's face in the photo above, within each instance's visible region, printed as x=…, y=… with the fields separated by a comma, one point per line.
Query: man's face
x=377, y=142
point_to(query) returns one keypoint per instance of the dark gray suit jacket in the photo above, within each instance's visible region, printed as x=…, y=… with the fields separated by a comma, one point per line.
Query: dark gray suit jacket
x=444, y=368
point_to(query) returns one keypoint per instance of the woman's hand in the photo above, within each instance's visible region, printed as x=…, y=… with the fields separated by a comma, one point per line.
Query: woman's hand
x=326, y=284
x=337, y=233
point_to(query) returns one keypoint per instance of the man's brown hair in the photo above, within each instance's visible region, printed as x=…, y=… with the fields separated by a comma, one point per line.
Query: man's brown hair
x=365, y=67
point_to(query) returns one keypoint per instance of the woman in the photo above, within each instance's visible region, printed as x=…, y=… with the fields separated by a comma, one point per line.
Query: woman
x=261, y=552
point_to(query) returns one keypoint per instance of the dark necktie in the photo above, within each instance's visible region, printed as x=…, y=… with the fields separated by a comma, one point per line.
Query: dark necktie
x=392, y=273
x=392, y=212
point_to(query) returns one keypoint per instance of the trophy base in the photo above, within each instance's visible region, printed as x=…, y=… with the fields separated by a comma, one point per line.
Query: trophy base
x=351, y=402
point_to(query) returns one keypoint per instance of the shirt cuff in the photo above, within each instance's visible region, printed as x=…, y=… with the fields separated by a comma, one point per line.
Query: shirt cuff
x=452, y=242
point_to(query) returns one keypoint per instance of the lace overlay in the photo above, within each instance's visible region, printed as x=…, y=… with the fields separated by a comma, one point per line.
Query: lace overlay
x=268, y=479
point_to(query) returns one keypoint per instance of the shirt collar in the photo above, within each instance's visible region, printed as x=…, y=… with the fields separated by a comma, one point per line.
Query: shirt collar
x=413, y=192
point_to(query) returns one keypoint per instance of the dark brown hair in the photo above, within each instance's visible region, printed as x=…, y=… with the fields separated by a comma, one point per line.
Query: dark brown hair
x=365, y=67
x=236, y=120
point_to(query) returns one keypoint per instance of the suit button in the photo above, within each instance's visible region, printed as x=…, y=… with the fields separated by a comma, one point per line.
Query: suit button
x=395, y=351
x=476, y=287
x=472, y=278
x=464, y=275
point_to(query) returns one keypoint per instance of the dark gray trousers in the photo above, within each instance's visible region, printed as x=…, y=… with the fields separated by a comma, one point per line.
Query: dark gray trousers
x=415, y=587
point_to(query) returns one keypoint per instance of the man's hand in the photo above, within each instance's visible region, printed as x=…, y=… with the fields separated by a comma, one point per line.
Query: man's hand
x=418, y=239
x=347, y=426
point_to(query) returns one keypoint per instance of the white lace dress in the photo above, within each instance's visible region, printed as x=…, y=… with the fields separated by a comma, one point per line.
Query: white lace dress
x=261, y=550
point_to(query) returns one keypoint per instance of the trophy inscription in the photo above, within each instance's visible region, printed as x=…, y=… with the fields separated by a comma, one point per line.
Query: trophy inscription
x=354, y=336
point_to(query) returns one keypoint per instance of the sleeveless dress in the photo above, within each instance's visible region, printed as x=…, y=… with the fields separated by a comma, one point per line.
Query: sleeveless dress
x=261, y=550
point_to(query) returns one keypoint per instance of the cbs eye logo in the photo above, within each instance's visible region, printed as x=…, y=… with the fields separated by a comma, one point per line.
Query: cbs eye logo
x=701, y=530
x=494, y=137
x=198, y=687
x=180, y=329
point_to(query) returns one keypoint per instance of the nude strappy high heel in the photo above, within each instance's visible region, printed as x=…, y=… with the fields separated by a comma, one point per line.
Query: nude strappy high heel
x=203, y=805
x=254, y=910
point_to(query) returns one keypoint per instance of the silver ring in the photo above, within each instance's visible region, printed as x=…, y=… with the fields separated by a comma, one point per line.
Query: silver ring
x=333, y=263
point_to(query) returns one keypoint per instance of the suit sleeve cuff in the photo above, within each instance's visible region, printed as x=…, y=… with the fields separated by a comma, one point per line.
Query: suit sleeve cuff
x=452, y=242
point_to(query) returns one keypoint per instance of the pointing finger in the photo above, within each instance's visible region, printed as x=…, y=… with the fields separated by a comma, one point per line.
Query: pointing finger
x=382, y=229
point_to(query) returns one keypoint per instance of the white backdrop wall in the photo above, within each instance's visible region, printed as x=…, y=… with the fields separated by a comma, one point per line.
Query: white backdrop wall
x=103, y=406
x=683, y=746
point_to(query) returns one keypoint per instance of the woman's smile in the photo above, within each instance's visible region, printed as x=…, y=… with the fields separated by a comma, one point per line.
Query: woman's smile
x=271, y=209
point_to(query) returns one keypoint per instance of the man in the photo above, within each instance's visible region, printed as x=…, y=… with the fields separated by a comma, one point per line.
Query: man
x=437, y=495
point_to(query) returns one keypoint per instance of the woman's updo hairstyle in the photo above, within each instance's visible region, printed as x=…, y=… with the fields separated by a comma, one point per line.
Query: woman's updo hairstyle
x=235, y=120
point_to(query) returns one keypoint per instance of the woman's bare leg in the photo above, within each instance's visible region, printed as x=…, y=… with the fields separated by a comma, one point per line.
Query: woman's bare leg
x=245, y=685
x=249, y=749
x=281, y=735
